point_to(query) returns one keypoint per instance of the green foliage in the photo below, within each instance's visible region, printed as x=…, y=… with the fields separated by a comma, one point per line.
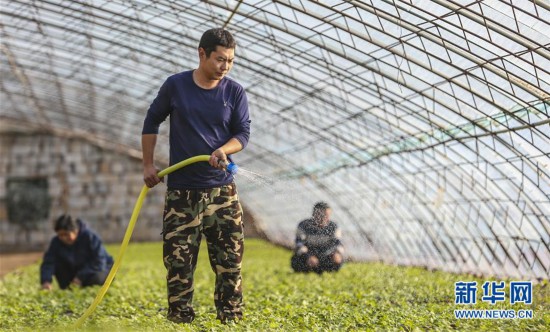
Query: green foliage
x=366, y=296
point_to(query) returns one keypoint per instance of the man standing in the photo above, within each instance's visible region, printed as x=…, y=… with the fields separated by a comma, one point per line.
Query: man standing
x=318, y=247
x=208, y=115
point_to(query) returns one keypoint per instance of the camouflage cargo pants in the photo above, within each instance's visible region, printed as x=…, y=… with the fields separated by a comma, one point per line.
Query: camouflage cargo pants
x=216, y=213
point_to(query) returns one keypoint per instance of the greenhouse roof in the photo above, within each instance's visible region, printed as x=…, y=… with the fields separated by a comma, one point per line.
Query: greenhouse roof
x=425, y=124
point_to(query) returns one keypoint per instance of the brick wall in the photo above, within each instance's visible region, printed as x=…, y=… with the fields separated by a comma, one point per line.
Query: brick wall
x=85, y=180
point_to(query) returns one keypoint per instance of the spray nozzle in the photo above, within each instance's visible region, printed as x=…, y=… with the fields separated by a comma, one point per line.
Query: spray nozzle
x=232, y=168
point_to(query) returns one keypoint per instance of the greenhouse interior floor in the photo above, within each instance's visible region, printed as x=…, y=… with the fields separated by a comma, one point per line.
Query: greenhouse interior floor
x=12, y=261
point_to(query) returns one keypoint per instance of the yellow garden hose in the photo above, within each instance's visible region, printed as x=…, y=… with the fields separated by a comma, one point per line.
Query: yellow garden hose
x=128, y=235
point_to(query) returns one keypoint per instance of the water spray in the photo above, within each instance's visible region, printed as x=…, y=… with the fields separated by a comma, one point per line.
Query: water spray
x=229, y=167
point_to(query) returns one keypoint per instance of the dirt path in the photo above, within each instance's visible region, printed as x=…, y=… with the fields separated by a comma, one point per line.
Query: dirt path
x=10, y=262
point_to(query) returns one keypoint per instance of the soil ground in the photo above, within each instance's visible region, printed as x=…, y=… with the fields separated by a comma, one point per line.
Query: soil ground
x=10, y=262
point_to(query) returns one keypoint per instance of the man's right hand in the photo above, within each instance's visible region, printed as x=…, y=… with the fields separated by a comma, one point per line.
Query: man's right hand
x=150, y=176
x=47, y=286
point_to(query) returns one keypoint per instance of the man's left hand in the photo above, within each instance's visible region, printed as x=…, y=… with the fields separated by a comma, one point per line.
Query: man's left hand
x=217, y=157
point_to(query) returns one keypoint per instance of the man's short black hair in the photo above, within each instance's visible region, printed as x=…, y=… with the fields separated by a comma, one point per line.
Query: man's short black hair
x=321, y=206
x=216, y=37
x=66, y=223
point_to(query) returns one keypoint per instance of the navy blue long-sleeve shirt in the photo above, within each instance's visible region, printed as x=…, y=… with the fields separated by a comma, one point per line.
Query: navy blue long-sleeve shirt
x=84, y=257
x=201, y=121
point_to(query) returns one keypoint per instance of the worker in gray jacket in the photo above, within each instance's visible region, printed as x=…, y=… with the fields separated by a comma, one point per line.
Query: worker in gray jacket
x=318, y=247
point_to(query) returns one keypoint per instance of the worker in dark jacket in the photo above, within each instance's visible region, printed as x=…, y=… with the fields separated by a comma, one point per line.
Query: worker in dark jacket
x=75, y=256
x=318, y=247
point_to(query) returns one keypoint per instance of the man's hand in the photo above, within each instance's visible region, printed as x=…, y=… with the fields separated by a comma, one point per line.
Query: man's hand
x=216, y=158
x=312, y=261
x=47, y=286
x=150, y=176
x=76, y=282
x=220, y=154
x=302, y=250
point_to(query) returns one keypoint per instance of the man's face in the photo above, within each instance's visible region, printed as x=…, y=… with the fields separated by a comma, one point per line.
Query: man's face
x=67, y=237
x=322, y=217
x=218, y=64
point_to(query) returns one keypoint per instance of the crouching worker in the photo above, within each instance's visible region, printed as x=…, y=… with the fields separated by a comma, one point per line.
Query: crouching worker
x=76, y=256
x=318, y=246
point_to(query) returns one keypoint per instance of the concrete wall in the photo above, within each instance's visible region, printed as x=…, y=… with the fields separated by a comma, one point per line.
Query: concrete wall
x=94, y=184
